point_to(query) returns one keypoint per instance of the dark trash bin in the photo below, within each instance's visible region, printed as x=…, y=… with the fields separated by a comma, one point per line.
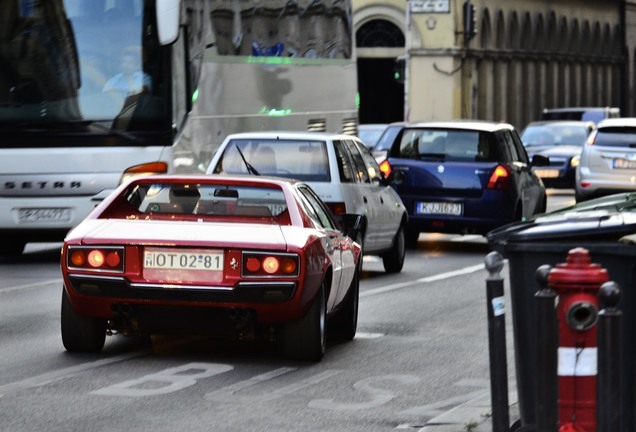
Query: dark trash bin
x=606, y=227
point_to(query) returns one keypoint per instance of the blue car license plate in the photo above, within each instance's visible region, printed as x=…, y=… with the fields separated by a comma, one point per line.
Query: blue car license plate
x=440, y=208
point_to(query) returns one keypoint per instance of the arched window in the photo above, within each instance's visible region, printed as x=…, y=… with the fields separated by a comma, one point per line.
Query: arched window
x=379, y=33
x=500, y=32
x=486, y=31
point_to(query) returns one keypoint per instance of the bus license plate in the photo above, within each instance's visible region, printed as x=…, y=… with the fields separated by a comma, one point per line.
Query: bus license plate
x=27, y=215
x=441, y=208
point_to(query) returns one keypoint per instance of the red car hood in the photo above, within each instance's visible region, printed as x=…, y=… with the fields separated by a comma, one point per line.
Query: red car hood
x=179, y=233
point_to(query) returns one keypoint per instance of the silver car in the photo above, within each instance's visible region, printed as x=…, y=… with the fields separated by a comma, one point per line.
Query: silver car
x=608, y=160
x=339, y=168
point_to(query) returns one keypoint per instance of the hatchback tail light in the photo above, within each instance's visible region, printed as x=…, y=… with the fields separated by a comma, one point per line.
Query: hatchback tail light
x=499, y=179
x=103, y=259
x=337, y=208
x=261, y=264
x=385, y=168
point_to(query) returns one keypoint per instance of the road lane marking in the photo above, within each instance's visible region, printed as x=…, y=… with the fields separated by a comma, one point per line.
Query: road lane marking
x=433, y=278
x=168, y=380
x=30, y=286
x=57, y=375
x=379, y=396
x=228, y=394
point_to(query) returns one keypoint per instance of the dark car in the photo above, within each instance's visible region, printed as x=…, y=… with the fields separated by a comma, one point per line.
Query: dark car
x=593, y=114
x=562, y=142
x=244, y=256
x=464, y=177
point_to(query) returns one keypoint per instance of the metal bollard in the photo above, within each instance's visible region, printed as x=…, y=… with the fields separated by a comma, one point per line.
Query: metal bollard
x=497, y=343
x=546, y=404
x=609, y=359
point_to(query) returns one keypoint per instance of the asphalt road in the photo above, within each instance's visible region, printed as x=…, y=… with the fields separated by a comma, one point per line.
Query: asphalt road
x=420, y=351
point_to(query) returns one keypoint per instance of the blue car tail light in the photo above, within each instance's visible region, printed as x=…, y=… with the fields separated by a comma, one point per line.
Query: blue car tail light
x=499, y=179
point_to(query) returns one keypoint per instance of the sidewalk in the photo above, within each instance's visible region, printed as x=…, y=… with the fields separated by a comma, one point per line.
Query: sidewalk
x=472, y=416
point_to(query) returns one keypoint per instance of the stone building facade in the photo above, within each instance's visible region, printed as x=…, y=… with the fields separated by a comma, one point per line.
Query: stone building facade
x=526, y=55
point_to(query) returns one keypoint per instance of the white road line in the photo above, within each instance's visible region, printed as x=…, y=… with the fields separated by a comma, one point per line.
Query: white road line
x=49, y=377
x=31, y=286
x=437, y=277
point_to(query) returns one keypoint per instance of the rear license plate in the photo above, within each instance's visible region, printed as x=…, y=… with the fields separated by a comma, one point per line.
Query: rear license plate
x=547, y=173
x=624, y=164
x=441, y=208
x=183, y=265
x=27, y=215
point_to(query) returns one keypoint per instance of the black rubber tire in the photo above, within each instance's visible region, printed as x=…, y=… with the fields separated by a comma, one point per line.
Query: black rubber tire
x=344, y=325
x=81, y=334
x=306, y=339
x=11, y=247
x=412, y=238
x=393, y=260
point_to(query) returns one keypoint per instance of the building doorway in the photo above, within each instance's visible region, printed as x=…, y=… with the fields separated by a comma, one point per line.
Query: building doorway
x=379, y=43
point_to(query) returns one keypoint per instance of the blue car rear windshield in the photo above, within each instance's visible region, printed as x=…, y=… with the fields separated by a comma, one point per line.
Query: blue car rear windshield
x=448, y=145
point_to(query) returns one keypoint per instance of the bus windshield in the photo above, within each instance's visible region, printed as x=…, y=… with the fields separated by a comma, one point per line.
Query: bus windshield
x=92, y=63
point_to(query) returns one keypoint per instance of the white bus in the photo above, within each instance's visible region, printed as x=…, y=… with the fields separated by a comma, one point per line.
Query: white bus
x=95, y=91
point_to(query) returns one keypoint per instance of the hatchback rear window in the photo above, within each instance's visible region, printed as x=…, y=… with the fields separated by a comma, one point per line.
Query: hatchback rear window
x=448, y=145
x=616, y=137
x=296, y=159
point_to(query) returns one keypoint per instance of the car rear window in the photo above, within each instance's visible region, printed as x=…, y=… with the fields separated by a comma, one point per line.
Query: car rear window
x=447, y=144
x=298, y=159
x=553, y=135
x=204, y=199
x=619, y=136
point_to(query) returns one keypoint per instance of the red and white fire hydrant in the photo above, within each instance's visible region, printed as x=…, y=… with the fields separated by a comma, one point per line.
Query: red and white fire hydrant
x=577, y=283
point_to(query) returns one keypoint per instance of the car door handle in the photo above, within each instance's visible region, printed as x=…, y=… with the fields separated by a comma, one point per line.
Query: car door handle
x=381, y=200
x=364, y=198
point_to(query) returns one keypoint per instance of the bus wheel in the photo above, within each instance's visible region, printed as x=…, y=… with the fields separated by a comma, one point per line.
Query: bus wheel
x=11, y=247
x=81, y=334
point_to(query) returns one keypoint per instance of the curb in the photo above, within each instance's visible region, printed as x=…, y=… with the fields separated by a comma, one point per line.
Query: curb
x=472, y=416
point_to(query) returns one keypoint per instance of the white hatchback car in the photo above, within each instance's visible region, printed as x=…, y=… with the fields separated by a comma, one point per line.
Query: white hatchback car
x=339, y=168
x=608, y=160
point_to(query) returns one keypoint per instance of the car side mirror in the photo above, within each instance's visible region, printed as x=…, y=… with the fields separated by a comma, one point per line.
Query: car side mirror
x=540, y=160
x=352, y=225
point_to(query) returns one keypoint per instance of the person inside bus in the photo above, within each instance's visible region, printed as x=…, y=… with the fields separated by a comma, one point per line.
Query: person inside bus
x=131, y=80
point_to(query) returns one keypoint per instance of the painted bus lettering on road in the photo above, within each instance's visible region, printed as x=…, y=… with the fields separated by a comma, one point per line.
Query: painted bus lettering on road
x=169, y=380
x=379, y=396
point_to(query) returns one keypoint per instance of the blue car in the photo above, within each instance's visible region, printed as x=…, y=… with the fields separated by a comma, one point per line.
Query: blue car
x=562, y=141
x=463, y=177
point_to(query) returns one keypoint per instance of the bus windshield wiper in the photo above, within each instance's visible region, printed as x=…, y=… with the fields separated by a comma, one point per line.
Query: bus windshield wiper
x=250, y=168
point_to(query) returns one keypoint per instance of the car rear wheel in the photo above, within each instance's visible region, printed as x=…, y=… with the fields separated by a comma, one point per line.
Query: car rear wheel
x=393, y=260
x=345, y=324
x=81, y=334
x=306, y=339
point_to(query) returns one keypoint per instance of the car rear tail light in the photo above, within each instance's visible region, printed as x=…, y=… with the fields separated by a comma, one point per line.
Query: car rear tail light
x=337, y=208
x=499, y=179
x=96, y=258
x=385, y=168
x=144, y=170
x=260, y=264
